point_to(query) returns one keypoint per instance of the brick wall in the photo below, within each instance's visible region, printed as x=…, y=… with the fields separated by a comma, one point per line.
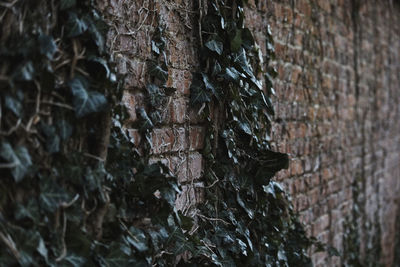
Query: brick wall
x=337, y=105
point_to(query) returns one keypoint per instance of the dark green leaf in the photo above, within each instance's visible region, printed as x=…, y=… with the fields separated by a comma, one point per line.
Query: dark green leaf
x=241, y=60
x=25, y=72
x=158, y=71
x=52, y=139
x=215, y=46
x=137, y=238
x=19, y=160
x=41, y=248
x=75, y=25
x=231, y=74
x=117, y=257
x=97, y=36
x=51, y=195
x=85, y=101
x=147, y=124
x=47, y=46
x=74, y=260
x=198, y=92
x=185, y=221
x=103, y=63
x=64, y=129
x=66, y=4
x=239, y=200
x=30, y=211
x=13, y=104
x=236, y=42
x=247, y=37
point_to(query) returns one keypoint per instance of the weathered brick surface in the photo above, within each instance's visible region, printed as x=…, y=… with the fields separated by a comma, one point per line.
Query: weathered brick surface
x=338, y=97
x=337, y=103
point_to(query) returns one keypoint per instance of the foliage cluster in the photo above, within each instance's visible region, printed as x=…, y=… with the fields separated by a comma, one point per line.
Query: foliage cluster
x=73, y=192
x=253, y=222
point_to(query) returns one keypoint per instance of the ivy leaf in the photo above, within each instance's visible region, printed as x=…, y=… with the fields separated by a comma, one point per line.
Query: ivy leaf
x=241, y=61
x=47, y=46
x=51, y=195
x=236, y=42
x=52, y=139
x=147, y=124
x=231, y=74
x=137, y=238
x=18, y=158
x=248, y=39
x=64, y=129
x=215, y=46
x=103, y=65
x=245, y=127
x=66, y=4
x=216, y=69
x=157, y=71
x=242, y=246
x=25, y=72
x=239, y=200
x=30, y=211
x=85, y=101
x=74, y=260
x=75, y=25
x=41, y=248
x=95, y=29
x=185, y=221
x=274, y=161
x=198, y=93
x=13, y=104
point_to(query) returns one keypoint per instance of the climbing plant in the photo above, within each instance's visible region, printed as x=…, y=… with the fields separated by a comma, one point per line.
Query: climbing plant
x=74, y=192
x=77, y=193
x=247, y=219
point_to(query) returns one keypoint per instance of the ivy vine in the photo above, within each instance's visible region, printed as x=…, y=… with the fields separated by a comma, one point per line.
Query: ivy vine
x=76, y=193
x=252, y=221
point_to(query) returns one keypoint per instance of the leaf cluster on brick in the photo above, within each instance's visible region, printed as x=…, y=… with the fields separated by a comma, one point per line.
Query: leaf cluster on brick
x=247, y=219
x=74, y=192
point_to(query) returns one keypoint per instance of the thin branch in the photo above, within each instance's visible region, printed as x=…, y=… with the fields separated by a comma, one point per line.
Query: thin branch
x=8, y=5
x=12, y=129
x=69, y=204
x=64, y=249
x=213, y=219
x=93, y=157
x=8, y=165
x=61, y=105
x=10, y=245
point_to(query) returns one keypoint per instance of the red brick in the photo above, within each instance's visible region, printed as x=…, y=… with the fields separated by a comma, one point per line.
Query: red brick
x=196, y=137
